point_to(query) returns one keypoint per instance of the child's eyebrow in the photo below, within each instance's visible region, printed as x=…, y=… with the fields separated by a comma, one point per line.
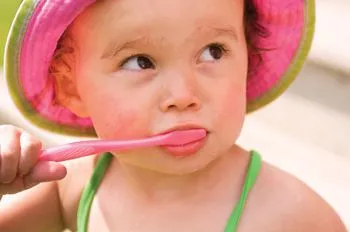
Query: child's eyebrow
x=219, y=31
x=114, y=49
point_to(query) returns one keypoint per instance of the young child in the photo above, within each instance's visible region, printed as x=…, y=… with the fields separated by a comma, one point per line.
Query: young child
x=131, y=69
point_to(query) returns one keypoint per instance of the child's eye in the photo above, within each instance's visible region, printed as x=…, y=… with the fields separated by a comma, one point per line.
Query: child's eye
x=137, y=63
x=213, y=52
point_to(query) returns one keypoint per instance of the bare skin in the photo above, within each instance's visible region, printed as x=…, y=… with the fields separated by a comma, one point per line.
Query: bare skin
x=196, y=76
x=278, y=202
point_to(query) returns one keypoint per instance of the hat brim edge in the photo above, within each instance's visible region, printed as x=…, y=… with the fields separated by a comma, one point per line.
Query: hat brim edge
x=296, y=65
x=11, y=70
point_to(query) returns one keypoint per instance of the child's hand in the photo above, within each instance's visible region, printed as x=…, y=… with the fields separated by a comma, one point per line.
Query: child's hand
x=19, y=169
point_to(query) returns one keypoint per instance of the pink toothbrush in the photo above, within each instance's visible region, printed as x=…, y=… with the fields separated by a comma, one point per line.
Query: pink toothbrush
x=86, y=148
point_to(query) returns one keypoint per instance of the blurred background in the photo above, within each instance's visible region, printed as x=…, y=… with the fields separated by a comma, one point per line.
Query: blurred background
x=305, y=132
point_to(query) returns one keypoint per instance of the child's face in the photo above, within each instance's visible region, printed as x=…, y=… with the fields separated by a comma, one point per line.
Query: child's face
x=144, y=67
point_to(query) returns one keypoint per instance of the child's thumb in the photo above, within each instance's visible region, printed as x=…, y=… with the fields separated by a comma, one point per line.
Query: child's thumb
x=46, y=171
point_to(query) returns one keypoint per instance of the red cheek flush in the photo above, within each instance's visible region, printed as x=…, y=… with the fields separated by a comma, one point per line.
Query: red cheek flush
x=125, y=124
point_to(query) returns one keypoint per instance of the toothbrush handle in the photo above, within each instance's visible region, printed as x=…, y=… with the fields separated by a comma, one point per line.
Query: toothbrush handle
x=66, y=152
x=85, y=148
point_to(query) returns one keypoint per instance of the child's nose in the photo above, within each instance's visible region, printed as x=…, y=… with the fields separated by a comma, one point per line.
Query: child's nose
x=180, y=95
x=181, y=103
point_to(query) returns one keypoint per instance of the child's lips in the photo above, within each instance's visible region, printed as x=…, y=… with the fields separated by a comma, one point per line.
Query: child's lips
x=183, y=150
x=183, y=127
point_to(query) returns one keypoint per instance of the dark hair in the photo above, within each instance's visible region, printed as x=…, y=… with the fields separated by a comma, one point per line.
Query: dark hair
x=254, y=30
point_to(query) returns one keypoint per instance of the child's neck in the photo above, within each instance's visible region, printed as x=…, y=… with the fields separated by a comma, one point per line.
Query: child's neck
x=158, y=187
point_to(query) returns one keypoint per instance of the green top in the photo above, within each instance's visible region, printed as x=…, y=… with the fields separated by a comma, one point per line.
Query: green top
x=101, y=168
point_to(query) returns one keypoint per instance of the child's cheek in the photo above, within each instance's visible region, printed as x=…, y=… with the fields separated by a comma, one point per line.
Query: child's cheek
x=119, y=123
x=232, y=107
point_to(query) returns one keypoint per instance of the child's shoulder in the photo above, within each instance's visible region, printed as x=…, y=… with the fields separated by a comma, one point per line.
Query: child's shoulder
x=284, y=203
x=79, y=172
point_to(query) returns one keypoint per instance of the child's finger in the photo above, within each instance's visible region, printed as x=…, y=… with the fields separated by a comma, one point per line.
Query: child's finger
x=30, y=150
x=44, y=172
x=17, y=185
x=9, y=155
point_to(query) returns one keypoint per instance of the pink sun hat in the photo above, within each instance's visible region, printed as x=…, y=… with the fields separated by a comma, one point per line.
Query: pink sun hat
x=39, y=24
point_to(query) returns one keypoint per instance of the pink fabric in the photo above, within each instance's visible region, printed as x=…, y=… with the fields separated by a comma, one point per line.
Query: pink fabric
x=48, y=22
x=283, y=18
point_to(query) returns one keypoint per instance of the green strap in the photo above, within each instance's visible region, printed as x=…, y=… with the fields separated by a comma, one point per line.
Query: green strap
x=252, y=173
x=90, y=191
x=101, y=168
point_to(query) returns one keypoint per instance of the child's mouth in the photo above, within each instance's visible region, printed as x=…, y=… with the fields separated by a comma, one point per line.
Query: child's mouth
x=183, y=150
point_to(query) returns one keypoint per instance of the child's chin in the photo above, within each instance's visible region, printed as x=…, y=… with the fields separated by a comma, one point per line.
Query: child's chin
x=172, y=161
x=183, y=165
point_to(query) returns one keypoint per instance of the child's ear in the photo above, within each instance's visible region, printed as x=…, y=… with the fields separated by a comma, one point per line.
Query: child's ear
x=68, y=96
x=62, y=69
